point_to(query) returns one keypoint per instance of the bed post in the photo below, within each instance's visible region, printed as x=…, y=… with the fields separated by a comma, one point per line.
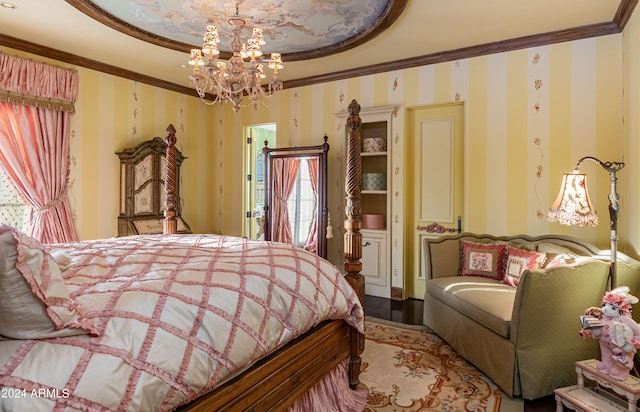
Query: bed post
x=353, y=237
x=170, y=224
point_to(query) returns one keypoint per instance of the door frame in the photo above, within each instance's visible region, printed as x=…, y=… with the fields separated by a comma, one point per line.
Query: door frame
x=414, y=279
x=250, y=153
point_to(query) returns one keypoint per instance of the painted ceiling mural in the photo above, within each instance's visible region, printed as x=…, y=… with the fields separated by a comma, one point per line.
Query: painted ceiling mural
x=290, y=26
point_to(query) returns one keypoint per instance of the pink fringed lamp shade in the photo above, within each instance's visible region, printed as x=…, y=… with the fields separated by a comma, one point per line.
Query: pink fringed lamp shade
x=573, y=207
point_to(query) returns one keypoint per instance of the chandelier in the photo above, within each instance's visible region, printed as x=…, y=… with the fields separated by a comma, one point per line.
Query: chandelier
x=231, y=82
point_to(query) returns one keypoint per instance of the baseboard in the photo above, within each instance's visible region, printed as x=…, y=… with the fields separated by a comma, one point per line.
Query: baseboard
x=396, y=293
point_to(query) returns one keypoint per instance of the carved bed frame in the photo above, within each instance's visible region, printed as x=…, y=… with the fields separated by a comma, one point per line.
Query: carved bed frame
x=275, y=382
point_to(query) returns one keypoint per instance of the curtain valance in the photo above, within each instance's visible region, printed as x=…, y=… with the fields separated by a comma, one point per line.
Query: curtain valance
x=29, y=83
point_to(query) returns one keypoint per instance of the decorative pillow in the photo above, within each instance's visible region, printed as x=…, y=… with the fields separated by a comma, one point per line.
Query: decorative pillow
x=547, y=247
x=519, y=260
x=34, y=300
x=483, y=259
x=557, y=255
x=558, y=260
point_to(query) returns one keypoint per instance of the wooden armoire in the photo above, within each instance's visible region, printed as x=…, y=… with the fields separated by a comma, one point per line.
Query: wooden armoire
x=142, y=191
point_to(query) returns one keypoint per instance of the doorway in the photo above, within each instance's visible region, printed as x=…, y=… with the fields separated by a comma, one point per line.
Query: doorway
x=434, y=184
x=253, y=191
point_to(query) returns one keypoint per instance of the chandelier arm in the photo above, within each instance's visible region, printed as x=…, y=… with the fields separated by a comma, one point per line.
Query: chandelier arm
x=220, y=86
x=203, y=96
x=265, y=91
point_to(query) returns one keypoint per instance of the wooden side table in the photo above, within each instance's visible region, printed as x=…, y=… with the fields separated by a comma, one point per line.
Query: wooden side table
x=579, y=398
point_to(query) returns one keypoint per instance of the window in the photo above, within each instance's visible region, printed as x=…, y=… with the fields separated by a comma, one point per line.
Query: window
x=12, y=208
x=302, y=205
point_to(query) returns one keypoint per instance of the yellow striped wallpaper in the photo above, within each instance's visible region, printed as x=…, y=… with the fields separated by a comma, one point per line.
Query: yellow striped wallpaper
x=113, y=114
x=530, y=114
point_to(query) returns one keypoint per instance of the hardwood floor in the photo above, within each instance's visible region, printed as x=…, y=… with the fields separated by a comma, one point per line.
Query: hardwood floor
x=409, y=311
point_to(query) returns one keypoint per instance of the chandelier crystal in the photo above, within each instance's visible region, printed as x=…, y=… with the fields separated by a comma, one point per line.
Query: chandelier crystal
x=239, y=77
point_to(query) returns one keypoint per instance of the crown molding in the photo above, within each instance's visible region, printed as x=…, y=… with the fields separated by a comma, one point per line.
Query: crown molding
x=621, y=18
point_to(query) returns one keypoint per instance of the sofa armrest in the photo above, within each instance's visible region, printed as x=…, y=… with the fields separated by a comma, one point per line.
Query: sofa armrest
x=441, y=257
x=545, y=323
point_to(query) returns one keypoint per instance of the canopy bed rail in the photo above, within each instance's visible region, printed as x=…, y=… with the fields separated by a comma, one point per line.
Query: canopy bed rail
x=276, y=169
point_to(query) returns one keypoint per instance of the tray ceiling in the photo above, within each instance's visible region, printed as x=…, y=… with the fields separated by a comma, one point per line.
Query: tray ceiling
x=321, y=40
x=297, y=29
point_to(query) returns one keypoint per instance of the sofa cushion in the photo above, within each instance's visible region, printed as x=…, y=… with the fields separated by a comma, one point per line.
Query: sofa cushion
x=519, y=260
x=483, y=259
x=556, y=254
x=487, y=301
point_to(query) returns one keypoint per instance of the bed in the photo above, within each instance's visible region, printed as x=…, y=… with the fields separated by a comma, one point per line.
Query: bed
x=183, y=322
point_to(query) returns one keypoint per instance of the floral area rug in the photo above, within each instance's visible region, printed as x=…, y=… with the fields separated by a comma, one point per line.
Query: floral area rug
x=409, y=368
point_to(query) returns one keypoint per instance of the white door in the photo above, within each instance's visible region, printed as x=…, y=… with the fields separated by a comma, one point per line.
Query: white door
x=434, y=182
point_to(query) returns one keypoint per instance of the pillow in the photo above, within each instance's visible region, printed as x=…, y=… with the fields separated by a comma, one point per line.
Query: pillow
x=34, y=300
x=559, y=260
x=547, y=247
x=557, y=255
x=483, y=259
x=519, y=260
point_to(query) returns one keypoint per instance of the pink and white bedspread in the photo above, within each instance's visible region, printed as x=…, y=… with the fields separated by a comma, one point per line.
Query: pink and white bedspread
x=175, y=316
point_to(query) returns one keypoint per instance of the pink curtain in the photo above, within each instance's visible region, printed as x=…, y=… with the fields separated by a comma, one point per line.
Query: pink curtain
x=34, y=142
x=30, y=83
x=284, y=177
x=312, y=237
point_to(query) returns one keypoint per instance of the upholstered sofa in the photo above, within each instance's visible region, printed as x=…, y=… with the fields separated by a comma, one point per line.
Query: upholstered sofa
x=525, y=338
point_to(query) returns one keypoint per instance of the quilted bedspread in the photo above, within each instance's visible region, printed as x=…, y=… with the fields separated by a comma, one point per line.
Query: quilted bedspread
x=175, y=316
